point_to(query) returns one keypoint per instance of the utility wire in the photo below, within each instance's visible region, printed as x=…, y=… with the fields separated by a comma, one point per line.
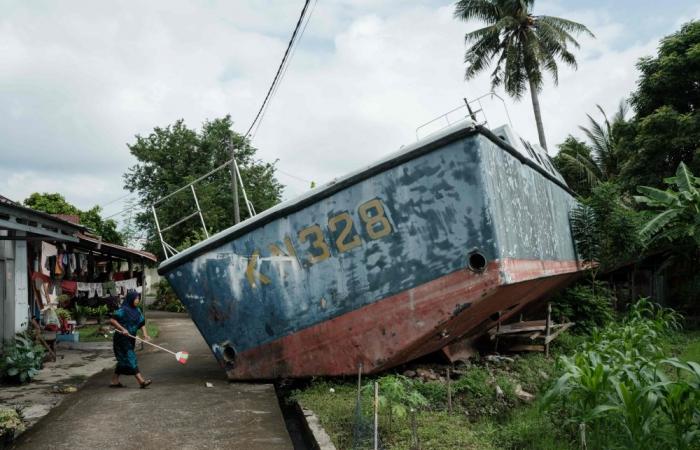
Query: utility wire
x=117, y=199
x=281, y=70
x=284, y=70
x=281, y=66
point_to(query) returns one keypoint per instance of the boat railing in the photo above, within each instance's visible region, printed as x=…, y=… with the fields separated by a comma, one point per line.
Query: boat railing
x=471, y=110
x=168, y=249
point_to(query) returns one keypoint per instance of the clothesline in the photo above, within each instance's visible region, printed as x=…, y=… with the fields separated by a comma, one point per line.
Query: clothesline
x=49, y=290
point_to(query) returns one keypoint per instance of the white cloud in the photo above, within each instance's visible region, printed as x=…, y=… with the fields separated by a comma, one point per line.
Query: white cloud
x=78, y=80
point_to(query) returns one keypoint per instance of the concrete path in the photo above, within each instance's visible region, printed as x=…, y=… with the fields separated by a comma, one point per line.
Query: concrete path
x=176, y=411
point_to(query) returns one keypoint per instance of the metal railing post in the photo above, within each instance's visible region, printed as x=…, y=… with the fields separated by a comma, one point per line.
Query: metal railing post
x=199, y=210
x=160, y=235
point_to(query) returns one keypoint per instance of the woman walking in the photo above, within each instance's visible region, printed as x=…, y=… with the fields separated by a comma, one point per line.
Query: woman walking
x=128, y=320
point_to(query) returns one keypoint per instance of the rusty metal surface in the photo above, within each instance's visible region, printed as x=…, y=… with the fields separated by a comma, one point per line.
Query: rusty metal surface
x=410, y=225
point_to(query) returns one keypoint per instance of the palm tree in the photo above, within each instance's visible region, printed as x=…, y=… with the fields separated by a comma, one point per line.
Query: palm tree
x=598, y=160
x=525, y=45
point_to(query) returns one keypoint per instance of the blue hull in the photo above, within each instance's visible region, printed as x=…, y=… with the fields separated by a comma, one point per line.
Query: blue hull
x=463, y=197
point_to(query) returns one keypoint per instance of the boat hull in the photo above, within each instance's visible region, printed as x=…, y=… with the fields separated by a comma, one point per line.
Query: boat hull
x=383, y=266
x=405, y=326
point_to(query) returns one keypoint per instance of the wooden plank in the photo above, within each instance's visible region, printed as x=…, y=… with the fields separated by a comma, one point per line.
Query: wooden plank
x=519, y=327
x=507, y=329
x=563, y=328
x=527, y=348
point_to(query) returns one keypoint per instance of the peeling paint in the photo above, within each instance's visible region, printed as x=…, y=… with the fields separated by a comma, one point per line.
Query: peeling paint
x=429, y=212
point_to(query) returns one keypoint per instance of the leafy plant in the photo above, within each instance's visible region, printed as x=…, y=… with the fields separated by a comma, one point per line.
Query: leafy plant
x=398, y=395
x=64, y=300
x=63, y=314
x=21, y=359
x=589, y=306
x=10, y=423
x=99, y=312
x=81, y=312
x=680, y=205
x=166, y=299
x=616, y=385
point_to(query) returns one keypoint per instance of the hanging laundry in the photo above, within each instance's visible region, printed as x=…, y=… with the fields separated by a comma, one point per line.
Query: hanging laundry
x=69, y=287
x=109, y=288
x=47, y=250
x=41, y=293
x=129, y=284
x=58, y=269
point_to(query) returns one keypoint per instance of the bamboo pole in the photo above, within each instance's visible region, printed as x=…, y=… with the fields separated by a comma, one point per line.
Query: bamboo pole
x=449, y=392
x=547, y=330
x=359, y=383
x=376, y=416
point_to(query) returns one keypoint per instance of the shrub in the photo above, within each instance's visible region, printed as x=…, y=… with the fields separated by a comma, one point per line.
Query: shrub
x=21, y=359
x=166, y=299
x=99, y=312
x=80, y=313
x=10, y=424
x=589, y=305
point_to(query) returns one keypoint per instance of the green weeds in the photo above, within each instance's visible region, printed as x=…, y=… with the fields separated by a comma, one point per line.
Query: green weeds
x=619, y=390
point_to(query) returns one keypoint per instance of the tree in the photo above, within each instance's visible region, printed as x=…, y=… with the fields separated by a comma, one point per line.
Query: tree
x=56, y=204
x=604, y=228
x=666, y=130
x=171, y=157
x=671, y=78
x=524, y=44
x=584, y=165
x=576, y=164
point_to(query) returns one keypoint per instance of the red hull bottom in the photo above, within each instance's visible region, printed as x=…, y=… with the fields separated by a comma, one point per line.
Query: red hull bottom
x=407, y=325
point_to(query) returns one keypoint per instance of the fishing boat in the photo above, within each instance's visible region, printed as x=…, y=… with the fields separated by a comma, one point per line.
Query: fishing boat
x=410, y=255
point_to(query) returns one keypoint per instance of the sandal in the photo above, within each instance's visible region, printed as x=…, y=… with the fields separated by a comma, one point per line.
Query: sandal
x=118, y=385
x=146, y=383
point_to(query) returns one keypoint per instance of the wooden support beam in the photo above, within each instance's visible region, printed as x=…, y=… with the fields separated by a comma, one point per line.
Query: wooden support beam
x=554, y=335
x=548, y=329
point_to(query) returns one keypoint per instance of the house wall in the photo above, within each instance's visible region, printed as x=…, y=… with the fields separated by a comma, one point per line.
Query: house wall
x=14, y=287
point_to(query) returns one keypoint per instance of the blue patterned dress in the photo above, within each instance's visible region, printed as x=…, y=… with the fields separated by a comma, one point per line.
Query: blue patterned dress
x=124, y=345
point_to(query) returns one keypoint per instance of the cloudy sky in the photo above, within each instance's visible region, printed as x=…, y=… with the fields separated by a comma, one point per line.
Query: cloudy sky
x=79, y=79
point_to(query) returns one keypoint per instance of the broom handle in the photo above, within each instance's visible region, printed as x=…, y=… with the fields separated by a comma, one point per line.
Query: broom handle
x=150, y=343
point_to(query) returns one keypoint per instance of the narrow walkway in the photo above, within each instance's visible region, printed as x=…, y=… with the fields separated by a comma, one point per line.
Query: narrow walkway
x=177, y=411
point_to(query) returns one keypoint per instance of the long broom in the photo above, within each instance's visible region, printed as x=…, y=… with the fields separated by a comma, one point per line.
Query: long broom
x=180, y=356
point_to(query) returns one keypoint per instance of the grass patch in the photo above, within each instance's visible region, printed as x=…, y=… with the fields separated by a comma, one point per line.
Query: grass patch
x=690, y=347
x=481, y=419
x=88, y=333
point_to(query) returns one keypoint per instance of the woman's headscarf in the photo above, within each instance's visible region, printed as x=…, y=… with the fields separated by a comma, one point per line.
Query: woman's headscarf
x=129, y=306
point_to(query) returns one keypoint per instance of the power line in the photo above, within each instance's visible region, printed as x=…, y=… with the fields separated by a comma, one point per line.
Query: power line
x=294, y=176
x=279, y=75
x=117, y=199
x=281, y=66
x=284, y=70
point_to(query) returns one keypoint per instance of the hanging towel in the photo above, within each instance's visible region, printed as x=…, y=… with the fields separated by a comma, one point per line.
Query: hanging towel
x=47, y=250
x=129, y=284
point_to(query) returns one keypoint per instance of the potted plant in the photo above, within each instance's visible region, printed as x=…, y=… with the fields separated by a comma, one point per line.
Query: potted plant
x=64, y=301
x=80, y=313
x=63, y=314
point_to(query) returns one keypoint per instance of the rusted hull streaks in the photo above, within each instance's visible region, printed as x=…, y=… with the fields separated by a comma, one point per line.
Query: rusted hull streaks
x=407, y=325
